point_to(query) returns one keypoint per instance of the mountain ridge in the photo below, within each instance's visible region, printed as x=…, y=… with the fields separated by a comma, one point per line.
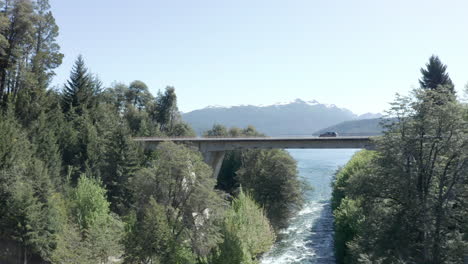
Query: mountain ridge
x=282, y=118
x=360, y=127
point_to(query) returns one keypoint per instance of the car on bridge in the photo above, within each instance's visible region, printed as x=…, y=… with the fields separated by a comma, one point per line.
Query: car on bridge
x=329, y=134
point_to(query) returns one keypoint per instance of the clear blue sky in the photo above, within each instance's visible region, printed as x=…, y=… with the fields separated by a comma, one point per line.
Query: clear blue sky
x=355, y=54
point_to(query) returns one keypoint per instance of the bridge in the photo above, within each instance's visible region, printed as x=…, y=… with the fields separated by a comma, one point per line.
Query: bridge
x=213, y=149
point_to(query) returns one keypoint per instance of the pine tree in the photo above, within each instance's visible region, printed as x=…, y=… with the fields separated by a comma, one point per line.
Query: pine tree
x=25, y=188
x=435, y=75
x=80, y=90
x=121, y=161
x=45, y=144
x=19, y=37
x=148, y=238
x=166, y=112
x=46, y=51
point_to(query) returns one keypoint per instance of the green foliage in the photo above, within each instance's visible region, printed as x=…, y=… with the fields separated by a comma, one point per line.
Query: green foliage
x=103, y=238
x=165, y=111
x=121, y=161
x=81, y=90
x=146, y=115
x=25, y=188
x=227, y=179
x=247, y=233
x=181, y=182
x=405, y=204
x=50, y=140
x=89, y=232
x=19, y=35
x=77, y=245
x=28, y=55
x=46, y=146
x=71, y=248
x=216, y=131
x=148, y=240
x=89, y=205
x=182, y=130
x=435, y=75
x=348, y=223
x=271, y=177
x=346, y=207
x=360, y=163
x=138, y=95
x=28, y=213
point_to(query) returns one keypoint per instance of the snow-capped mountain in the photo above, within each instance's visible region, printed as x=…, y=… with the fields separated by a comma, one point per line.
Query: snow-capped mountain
x=370, y=116
x=297, y=117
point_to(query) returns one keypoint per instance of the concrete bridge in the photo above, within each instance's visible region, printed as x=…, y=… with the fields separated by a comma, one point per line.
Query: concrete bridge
x=213, y=149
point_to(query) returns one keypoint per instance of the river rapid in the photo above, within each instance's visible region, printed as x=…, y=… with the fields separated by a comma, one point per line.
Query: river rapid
x=309, y=238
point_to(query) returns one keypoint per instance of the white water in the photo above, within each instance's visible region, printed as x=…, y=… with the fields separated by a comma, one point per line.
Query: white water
x=309, y=238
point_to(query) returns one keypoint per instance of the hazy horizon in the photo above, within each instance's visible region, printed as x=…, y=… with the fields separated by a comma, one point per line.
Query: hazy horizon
x=355, y=55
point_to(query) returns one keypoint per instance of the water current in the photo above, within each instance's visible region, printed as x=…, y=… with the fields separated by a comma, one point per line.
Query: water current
x=309, y=238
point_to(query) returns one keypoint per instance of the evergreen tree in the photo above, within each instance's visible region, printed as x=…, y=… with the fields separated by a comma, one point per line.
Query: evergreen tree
x=166, y=112
x=25, y=188
x=46, y=147
x=46, y=55
x=43, y=56
x=121, y=162
x=435, y=75
x=19, y=36
x=28, y=53
x=4, y=24
x=148, y=240
x=80, y=91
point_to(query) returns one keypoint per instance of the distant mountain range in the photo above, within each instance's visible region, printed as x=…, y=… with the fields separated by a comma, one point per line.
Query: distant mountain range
x=296, y=118
x=364, y=127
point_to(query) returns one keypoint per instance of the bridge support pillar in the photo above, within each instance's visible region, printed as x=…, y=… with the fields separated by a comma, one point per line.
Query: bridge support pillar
x=215, y=160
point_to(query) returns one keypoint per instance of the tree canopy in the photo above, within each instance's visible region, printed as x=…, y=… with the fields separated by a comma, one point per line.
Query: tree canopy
x=435, y=75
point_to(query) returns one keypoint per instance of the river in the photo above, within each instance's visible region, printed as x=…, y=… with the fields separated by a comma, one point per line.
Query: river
x=309, y=238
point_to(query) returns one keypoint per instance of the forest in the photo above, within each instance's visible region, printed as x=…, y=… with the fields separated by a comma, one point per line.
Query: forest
x=75, y=187
x=406, y=202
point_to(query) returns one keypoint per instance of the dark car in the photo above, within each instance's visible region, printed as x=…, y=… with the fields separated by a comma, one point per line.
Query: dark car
x=329, y=134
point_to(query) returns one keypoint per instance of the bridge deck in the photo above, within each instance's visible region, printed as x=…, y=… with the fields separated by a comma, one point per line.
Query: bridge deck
x=222, y=144
x=213, y=149
x=211, y=139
